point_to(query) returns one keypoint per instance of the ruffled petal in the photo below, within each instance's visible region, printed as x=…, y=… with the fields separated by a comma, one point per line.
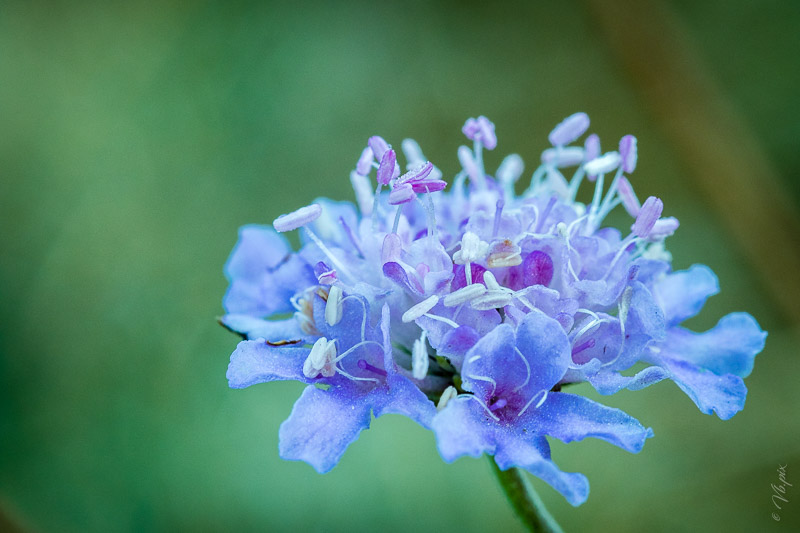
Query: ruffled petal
x=682, y=294
x=321, y=427
x=260, y=248
x=569, y=417
x=257, y=362
x=724, y=395
x=728, y=348
x=608, y=382
x=534, y=456
x=493, y=357
x=402, y=397
x=271, y=330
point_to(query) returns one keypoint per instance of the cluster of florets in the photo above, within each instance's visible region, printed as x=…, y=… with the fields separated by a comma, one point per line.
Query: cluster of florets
x=469, y=311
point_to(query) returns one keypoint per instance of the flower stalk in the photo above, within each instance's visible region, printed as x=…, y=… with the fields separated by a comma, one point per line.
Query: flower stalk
x=523, y=498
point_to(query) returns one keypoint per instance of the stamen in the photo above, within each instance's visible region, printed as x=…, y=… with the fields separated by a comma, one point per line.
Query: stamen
x=338, y=264
x=603, y=164
x=467, y=160
x=473, y=249
x=545, y=214
x=527, y=369
x=363, y=365
x=364, y=164
x=386, y=169
x=333, y=307
x=563, y=157
x=355, y=347
x=378, y=146
x=321, y=359
x=504, y=254
x=647, y=217
x=441, y=319
x=542, y=393
x=420, y=309
x=298, y=218
x=464, y=294
x=628, y=152
x=486, y=379
x=569, y=129
x=510, y=170
x=498, y=215
x=359, y=299
x=350, y=235
x=413, y=153
x=363, y=192
x=583, y=346
x=449, y=393
x=419, y=358
x=489, y=411
x=499, y=404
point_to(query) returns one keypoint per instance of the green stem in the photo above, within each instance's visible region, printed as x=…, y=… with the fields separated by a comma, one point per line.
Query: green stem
x=524, y=500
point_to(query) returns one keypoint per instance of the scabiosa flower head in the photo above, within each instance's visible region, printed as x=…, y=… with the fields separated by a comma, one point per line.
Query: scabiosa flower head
x=471, y=310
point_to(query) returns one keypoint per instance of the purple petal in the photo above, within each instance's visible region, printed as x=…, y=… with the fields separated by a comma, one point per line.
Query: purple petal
x=569, y=129
x=629, y=200
x=397, y=273
x=321, y=427
x=257, y=362
x=494, y=356
x=682, y=294
x=404, y=398
x=537, y=269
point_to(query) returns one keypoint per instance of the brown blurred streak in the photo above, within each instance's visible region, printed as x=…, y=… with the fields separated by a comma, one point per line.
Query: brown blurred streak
x=727, y=163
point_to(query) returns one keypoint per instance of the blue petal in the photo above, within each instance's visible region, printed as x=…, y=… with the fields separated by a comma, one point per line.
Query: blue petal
x=493, y=357
x=461, y=430
x=271, y=330
x=271, y=292
x=533, y=455
x=544, y=344
x=729, y=348
x=608, y=382
x=321, y=427
x=569, y=417
x=257, y=362
x=724, y=395
x=259, y=249
x=403, y=398
x=682, y=294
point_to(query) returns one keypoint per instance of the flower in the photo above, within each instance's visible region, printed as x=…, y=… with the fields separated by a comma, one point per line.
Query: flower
x=471, y=310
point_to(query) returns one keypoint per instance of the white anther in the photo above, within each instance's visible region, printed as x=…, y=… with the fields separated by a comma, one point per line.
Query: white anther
x=561, y=228
x=472, y=249
x=413, y=153
x=563, y=156
x=603, y=164
x=419, y=358
x=295, y=219
x=625, y=304
x=321, y=359
x=364, y=193
x=510, y=169
x=491, y=282
x=420, y=309
x=333, y=307
x=464, y=294
x=448, y=394
x=491, y=300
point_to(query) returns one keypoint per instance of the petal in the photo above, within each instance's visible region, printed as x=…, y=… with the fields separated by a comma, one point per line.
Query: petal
x=724, y=395
x=544, y=344
x=569, y=417
x=271, y=293
x=534, y=456
x=271, y=330
x=682, y=294
x=608, y=382
x=259, y=248
x=403, y=398
x=493, y=357
x=728, y=348
x=461, y=430
x=257, y=362
x=321, y=427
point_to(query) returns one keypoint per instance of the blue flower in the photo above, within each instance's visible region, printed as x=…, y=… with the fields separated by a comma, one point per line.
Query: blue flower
x=470, y=310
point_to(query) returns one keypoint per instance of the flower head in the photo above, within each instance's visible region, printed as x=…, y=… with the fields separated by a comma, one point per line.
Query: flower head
x=471, y=310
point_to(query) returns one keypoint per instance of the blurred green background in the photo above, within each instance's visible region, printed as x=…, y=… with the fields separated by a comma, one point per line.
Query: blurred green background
x=135, y=138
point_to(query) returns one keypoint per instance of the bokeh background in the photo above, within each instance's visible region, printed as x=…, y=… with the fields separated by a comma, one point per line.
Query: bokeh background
x=136, y=137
